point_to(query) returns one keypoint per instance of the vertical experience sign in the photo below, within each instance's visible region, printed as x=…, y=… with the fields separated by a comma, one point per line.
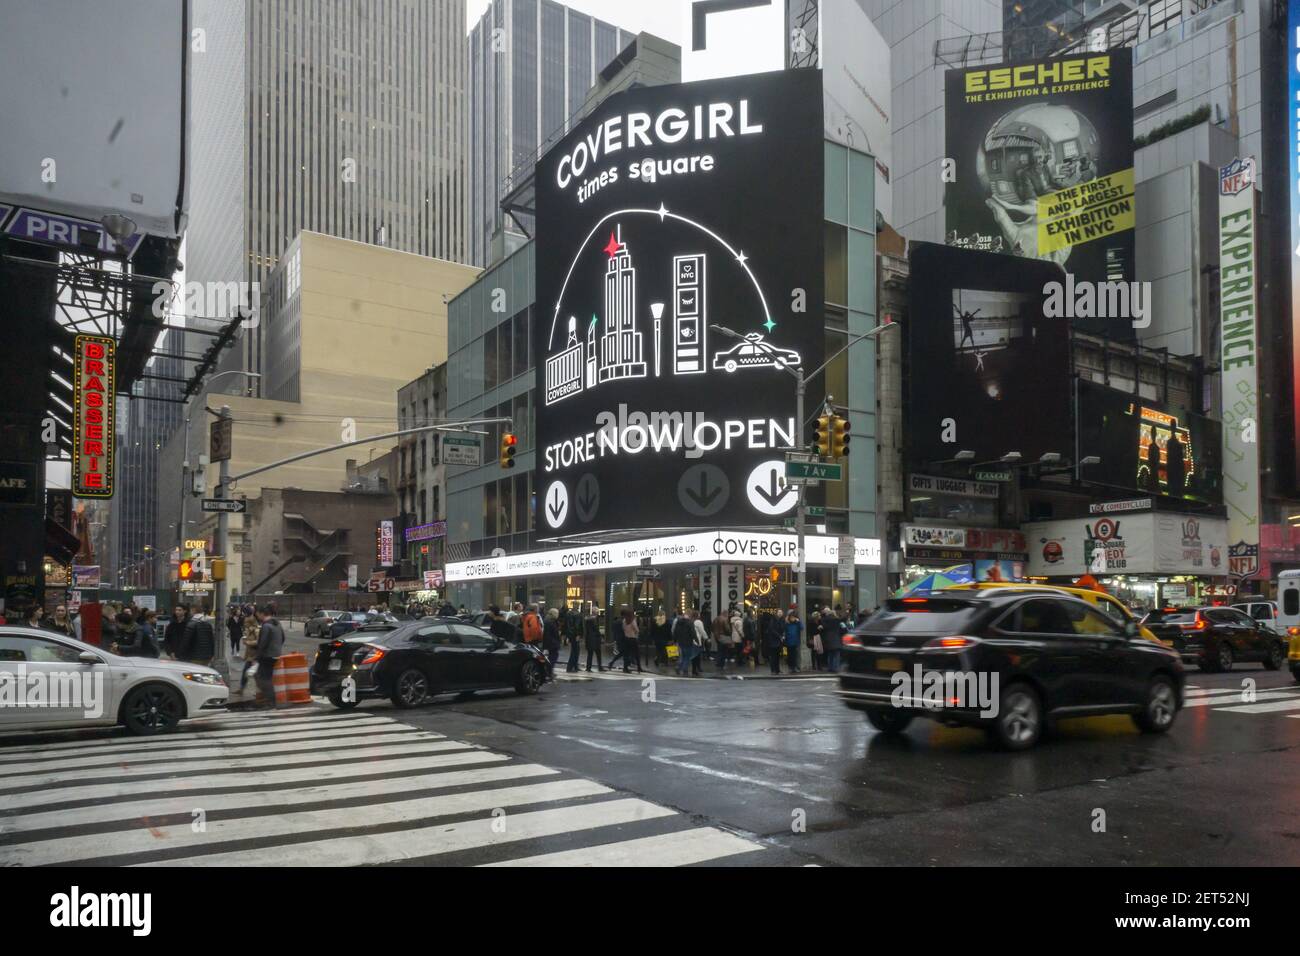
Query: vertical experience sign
x=94, y=386
x=1239, y=343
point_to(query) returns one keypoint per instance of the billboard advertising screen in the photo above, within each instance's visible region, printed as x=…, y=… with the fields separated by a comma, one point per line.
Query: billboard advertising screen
x=1041, y=166
x=95, y=120
x=988, y=372
x=1149, y=447
x=668, y=212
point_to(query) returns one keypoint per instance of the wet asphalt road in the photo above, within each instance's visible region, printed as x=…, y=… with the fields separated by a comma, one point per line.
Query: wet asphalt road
x=784, y=762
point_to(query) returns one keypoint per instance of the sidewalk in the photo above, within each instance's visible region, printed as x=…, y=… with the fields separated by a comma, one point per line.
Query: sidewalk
x=708, y=668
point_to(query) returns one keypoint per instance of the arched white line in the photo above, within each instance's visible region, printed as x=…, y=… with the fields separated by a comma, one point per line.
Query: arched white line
x=555, y=314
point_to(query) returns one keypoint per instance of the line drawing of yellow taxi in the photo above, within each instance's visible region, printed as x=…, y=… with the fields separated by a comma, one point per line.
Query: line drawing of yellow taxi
x=754, y=352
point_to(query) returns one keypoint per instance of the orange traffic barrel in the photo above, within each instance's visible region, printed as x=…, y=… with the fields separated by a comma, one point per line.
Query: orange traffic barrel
x=292, y=684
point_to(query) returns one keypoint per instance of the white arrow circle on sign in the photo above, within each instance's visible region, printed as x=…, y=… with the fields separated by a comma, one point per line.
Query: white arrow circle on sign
x=556, y=504
x=767, y=490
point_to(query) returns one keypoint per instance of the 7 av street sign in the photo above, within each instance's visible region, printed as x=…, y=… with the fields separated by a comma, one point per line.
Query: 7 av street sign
x=231, y=505
x=796, y=471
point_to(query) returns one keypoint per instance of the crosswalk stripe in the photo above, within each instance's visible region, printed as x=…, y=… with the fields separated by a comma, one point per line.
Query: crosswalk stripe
x=65, y=777
x=1292, y=703
x=1219, y=701
x=1210, y=691
x=115, y=738
x=163, y=805
x=219, y=832
x=188, y=751
x=247, y=779
x=167, y=742
x=679, y=848
x=434, y=840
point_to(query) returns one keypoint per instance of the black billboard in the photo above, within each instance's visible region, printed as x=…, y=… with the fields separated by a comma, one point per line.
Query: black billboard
x=1041, y=157
x=987, y=371
x=671, y=210
x=1149, y=447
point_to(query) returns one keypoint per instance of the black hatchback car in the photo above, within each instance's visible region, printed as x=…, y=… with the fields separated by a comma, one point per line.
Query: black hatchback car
x=1215, y=638
x=1007, y=661
x=414, y=661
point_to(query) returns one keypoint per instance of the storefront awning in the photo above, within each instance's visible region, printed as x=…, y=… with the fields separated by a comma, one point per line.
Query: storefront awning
x=695, y=548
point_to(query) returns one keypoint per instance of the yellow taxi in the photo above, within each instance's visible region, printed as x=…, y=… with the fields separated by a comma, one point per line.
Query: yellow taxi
x=1108, y=604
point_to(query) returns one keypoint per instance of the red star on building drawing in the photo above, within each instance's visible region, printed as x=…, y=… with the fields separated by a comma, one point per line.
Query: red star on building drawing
x=613, y=247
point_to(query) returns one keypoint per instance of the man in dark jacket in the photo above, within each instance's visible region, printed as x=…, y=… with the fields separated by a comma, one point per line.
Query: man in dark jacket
x=833, y=629
x=198, y=642
x=175, y=632
x=502, y=628
x=270, y=644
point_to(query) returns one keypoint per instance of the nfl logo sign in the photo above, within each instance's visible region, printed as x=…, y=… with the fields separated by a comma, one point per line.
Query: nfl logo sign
x=1236, y=176
x=1243, y=559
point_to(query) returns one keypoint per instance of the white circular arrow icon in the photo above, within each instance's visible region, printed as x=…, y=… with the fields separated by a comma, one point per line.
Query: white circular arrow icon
x=556, y=504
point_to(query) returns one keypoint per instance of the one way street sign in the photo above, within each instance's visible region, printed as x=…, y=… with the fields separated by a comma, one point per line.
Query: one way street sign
x=231, y=505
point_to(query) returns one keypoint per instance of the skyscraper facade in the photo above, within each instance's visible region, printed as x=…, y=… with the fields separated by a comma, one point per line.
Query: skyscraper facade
x=340, y=118
x=531, y=63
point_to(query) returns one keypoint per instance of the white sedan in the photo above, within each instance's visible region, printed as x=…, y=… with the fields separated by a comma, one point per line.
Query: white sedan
x=48, y=681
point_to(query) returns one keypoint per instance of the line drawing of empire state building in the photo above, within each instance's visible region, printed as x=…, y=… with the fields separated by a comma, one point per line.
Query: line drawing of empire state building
x=621, y=344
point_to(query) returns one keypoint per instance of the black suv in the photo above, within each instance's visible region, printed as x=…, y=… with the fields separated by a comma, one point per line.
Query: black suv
x=1215, y=638
x=1008, y=661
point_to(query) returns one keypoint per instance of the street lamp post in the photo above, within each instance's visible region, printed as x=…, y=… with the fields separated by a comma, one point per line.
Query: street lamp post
x=801, y=381
x=185, y=465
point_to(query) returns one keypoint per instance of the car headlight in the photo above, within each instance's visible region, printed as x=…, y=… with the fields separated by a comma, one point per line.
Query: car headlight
x=214, y=679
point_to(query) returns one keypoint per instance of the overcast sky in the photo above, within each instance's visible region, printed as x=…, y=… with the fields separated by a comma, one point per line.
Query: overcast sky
x=664, y=18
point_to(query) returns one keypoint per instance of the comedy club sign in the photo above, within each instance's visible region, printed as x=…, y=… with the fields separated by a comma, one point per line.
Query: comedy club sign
x=93, y=390
x=670, y=211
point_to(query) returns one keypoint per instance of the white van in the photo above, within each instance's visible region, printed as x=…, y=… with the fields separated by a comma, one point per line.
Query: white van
x=1288, y=601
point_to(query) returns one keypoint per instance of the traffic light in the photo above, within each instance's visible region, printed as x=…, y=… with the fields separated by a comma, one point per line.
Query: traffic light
x=839, y=437
x=186, y=571
x=822, y=443
x=218, y=569
x=508, y=443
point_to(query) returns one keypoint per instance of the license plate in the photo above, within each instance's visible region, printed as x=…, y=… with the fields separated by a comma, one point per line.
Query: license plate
x=336, y=665
x=889, y=664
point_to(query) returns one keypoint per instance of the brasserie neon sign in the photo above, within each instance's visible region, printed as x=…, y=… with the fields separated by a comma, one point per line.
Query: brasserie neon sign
x=94, y=386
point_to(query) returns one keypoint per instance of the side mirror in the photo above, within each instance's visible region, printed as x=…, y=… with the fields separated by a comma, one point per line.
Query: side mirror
x=86, y=657
x=1131, y=629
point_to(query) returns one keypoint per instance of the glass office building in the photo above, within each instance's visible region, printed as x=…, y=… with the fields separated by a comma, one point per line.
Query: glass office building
x=531, y=63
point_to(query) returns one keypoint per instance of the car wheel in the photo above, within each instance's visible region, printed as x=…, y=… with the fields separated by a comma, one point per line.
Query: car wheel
x=335, y=697
x=410, y=689
x=730, y=366
x=152, y=709
x=1276, y=657
x=1019, y=722
x=1223, y=660
x=531, y=678
x=1159, y=709
x=889, y=721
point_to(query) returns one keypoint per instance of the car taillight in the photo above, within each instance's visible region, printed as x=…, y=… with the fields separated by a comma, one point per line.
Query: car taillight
x=372, y=655
x=1198, y=625
x=1293, y=631
x=850, y=640
x=954, y=643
